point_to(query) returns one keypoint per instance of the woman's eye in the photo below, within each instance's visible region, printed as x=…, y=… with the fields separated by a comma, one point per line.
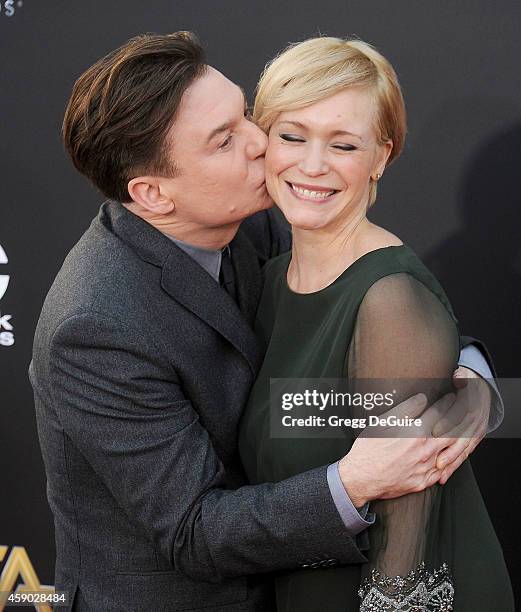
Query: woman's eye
x=345, y=147
x=291, y=138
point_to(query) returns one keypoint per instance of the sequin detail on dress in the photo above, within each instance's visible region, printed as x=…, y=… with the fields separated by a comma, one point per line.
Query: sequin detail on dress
x=419, y=591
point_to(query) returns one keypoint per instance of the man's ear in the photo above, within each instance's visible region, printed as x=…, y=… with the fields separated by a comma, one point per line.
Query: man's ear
x=146, y=191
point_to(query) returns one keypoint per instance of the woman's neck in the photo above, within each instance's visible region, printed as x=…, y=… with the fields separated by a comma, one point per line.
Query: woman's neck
x=319, y=256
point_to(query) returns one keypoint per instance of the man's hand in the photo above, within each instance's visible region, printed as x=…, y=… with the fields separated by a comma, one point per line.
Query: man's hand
x=467, y=422
x=387, y=467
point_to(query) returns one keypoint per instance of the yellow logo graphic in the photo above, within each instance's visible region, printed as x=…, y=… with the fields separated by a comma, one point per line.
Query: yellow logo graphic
x=18, y=565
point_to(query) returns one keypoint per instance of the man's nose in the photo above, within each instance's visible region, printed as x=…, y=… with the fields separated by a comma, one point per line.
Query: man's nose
x=257, y=143
x=313, y=161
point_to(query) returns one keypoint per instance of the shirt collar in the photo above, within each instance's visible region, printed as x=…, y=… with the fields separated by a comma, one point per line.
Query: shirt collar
x=208, y=259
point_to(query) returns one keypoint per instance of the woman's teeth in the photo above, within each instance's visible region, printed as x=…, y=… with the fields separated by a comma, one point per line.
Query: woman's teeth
x=307, y=193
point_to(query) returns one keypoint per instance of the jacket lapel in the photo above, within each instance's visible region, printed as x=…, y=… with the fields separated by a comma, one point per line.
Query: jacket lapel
x=190, y=285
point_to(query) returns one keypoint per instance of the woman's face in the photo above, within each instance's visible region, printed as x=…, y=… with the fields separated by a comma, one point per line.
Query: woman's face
x=320, y=159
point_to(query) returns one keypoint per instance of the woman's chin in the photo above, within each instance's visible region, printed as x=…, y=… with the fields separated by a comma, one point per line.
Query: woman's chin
x=304, y=217
x=306, y=223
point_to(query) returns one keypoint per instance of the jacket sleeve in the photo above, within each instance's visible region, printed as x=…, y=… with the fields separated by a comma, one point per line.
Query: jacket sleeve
x=127, y=414
x=474, y=355
x=468, y=341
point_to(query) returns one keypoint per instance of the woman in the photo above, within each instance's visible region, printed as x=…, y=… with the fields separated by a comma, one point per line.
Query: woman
x=351, y=300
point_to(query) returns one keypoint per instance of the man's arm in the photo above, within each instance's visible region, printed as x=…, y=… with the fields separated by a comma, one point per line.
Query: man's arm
x=356, y=520
x=478, y=401
x=474, y=356
x=128, y=415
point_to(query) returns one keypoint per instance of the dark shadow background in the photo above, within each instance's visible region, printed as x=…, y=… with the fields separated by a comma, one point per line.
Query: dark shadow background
x=454, y=196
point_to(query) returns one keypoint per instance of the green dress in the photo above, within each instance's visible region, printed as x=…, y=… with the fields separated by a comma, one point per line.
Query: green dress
x=384, y=317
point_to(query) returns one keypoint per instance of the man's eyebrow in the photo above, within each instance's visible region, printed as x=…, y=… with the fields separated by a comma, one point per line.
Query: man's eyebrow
x=228, y=124
x=334, y=133
x=219, y=130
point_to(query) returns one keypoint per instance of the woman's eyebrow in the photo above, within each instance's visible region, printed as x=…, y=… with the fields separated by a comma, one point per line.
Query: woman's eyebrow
x=333, y=133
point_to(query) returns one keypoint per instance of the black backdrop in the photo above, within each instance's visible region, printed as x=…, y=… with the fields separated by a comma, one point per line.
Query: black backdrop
x=454, y=196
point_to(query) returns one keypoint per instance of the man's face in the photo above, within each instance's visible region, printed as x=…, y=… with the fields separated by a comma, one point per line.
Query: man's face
x=219, y=153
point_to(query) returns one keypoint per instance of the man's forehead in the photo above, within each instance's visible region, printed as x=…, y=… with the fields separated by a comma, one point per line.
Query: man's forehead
x=210, y=101
x=209, y=90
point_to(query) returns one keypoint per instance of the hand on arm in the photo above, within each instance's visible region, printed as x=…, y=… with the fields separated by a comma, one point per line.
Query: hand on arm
x=467, y=424
x=386, y=467
x=403, y=335
x=405, y=341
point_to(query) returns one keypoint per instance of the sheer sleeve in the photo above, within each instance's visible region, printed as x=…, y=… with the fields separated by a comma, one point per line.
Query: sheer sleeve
x=405, y=337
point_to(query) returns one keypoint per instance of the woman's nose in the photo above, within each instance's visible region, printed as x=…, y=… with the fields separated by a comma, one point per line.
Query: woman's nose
x=313, y=162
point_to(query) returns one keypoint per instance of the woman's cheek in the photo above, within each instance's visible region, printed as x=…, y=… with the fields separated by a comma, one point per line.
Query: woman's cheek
x=269, y=159
x=272, y=171
x=277, y=158
x=271, y=186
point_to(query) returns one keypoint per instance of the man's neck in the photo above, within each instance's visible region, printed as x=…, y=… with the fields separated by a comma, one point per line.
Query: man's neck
x=205, y=237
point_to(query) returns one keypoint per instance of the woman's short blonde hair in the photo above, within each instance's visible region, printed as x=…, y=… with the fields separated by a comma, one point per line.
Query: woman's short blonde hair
x=312, y=70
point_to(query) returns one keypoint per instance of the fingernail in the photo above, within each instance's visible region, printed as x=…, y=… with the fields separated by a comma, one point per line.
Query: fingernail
x=421, y=399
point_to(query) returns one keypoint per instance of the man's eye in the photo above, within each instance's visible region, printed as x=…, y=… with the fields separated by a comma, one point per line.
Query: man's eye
x=226, y=143
x=345, y=147
x=291, y=138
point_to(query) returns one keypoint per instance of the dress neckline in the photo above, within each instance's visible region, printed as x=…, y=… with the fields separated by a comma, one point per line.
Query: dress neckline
x=349, y=270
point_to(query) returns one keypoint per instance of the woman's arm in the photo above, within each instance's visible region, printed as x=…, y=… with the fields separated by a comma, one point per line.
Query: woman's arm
x=405, y=341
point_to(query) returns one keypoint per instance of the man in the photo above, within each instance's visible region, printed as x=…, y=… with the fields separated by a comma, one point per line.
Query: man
x=144, y=356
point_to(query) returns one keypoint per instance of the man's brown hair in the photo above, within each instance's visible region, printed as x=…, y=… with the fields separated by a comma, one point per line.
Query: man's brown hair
x=121, y=109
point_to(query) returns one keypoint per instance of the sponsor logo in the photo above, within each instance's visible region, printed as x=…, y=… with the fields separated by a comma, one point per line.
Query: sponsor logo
x=9, y=8
x=6, y=327
x=4, y=279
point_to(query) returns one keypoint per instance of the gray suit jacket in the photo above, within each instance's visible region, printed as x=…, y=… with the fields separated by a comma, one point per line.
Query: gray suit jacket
x=141, y=368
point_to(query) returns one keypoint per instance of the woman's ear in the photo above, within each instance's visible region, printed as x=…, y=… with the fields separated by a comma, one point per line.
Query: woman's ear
x=384, y=151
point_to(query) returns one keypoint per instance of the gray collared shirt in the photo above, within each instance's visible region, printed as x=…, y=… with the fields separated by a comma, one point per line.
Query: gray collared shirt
x=208, y=259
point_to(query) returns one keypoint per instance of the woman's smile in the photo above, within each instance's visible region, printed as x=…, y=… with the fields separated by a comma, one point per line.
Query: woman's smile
x=311, y=193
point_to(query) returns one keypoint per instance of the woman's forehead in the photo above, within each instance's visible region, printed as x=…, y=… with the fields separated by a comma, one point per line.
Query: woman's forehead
x=350, y=111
